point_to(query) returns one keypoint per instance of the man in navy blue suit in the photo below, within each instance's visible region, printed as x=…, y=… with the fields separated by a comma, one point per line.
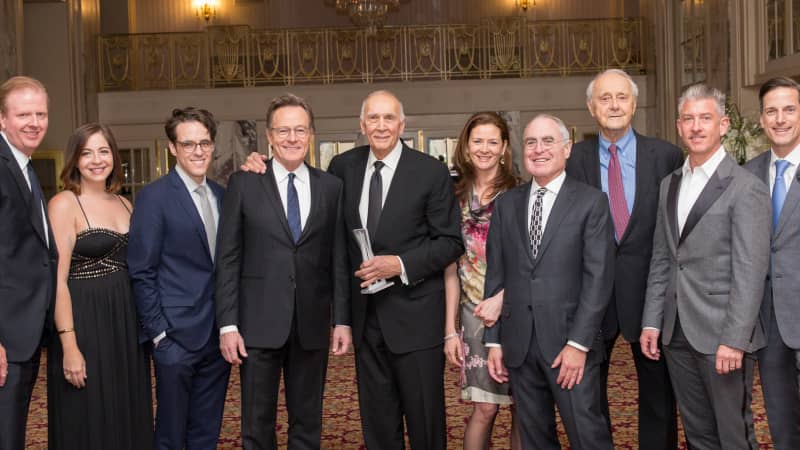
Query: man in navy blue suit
x=171, y=261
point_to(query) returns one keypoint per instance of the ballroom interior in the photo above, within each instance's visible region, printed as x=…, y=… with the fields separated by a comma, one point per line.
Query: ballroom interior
x=128, y=63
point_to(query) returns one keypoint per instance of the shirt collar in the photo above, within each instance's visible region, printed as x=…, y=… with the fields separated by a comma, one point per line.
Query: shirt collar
x=709, y=167
x=553, y=186
x=793, y=157
x=301, y=173
x=190, y=184
x=22, y=158
x=391, y=159
x=623, y=144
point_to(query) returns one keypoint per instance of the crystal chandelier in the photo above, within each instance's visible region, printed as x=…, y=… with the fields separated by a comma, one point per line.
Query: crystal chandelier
x=370, y=14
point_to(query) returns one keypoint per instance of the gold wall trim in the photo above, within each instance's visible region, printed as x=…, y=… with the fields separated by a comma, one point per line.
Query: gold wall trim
x=496, y=48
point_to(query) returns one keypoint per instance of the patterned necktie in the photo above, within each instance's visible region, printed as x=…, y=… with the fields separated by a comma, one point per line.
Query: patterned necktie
x=616, y=194
x=375, y=203
x=535, y=231
x=778, y=191
x=208, y=219
x=293, y=209
x=37, y=202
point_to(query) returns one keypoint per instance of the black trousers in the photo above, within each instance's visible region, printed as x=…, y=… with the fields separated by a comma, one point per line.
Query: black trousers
x=658, y=419
x=15, y=398
x=304, y=380
x=394, y=386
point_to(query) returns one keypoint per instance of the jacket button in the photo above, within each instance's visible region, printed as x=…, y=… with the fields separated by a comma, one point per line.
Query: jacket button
x=530, y=308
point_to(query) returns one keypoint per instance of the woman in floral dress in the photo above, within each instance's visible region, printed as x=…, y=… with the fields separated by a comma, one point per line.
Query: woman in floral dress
x=483, y=162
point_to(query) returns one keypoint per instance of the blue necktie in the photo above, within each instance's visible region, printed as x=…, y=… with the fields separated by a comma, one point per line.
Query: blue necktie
x=293, y=209
x=778, y=191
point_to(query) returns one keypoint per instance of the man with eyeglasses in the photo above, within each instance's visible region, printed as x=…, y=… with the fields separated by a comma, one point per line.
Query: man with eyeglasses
x=282, y=281
x=550, y=246
x=171, y=260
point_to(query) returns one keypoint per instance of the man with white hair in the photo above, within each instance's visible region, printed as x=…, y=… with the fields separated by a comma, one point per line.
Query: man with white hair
x=628, y=167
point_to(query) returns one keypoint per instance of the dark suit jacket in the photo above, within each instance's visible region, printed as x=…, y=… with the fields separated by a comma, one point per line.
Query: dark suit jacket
x=783, y=286
x=170, y=264
x=27, y=265
x=655, y=159
x=562, y=294
x=420, y=222
x=264, y=279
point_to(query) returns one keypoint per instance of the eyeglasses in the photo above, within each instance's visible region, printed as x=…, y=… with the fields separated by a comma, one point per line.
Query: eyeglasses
x=299, y=132
x=190, y=146
x=546, y=143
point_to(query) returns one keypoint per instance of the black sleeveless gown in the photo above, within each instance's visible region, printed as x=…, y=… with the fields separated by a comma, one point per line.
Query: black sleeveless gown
x=114, y=410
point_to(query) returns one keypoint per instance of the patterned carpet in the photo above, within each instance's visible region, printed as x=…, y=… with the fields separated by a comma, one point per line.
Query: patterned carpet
x=341, y=422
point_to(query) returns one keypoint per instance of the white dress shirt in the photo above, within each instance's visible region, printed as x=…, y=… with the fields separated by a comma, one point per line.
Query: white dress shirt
x=192, y=186
x=693, y=182
x=387, y=173
x=788, y=175
x=302, y=183
x=23, y=160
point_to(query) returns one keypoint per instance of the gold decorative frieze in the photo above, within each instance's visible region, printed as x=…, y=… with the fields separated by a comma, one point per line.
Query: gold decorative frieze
x=240, y=56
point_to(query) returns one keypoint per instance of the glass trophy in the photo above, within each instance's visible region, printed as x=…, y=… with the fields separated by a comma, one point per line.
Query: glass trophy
x=362, y=238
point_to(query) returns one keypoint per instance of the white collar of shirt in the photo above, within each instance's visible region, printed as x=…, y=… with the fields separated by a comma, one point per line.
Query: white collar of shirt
x=302, y=186
x=693, y=182
x=794, y=161
x=191, y=186
x=390, y=163
x=707, y=168
x=552, y=188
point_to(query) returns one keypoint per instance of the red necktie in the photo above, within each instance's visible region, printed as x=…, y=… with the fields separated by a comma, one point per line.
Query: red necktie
x=616, y=194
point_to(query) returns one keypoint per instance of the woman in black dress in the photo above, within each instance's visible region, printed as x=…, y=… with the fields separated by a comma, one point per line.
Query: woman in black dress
x=98, y=375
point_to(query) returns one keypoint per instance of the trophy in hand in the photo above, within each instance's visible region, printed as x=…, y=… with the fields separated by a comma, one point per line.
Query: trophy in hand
x=362, y=237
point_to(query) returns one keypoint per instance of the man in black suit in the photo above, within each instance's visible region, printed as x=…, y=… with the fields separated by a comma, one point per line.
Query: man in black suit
x=282, y=268
x=28, y=255
x=405, y=199
x=550, y=246
x=630, y=175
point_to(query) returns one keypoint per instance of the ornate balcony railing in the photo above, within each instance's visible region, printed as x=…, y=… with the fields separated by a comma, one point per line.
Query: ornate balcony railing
x=496, y=48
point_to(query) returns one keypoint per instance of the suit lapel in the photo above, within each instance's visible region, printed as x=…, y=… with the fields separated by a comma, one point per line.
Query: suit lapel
x=716, y=185
x=403, y=172
x=672, y=204
x=270, y=185
x=561, y=206
x=354, y=182
x=19, y=179
x=316, y=199
x=591, y=164
x=521, y=203
x=790, y=204
x=184, y=198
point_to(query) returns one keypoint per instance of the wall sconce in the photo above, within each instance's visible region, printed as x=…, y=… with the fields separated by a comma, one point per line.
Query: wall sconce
x=205, y=9
x=525, y=4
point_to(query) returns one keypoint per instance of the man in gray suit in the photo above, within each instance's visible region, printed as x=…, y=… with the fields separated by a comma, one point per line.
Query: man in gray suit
x=710, y=258
x=779, y=361
x=551, y=248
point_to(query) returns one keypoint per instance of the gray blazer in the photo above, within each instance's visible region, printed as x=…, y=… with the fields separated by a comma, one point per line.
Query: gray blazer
x=783, y=286
x=713, y=273
x=562, y=294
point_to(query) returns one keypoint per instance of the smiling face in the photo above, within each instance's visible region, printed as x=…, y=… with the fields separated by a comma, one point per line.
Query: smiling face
x=96, y=161
x=701, y=127
x=486, y=147
x=382, y=123
x=612, y=105
x=546, y=150
x=289, y=136
x=780, y=119
x=192, y=149
x=24, y=119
